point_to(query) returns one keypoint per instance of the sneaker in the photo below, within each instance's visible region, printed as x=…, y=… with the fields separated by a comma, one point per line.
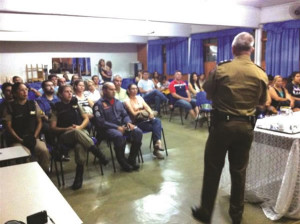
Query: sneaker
x=157, y=146
x=65, y=158
x=158, y=154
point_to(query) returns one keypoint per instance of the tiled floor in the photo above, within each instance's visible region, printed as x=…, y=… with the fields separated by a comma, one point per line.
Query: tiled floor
x=160, y=192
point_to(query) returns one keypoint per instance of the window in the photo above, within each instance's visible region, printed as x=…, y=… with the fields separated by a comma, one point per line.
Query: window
x=210, y=47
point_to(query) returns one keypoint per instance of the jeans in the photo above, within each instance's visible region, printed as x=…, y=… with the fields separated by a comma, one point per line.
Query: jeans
x=156, y=97
x=185, y=104
x=154, y=126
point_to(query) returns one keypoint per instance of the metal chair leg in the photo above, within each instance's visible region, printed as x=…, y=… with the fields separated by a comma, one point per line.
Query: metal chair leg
x=56, y=171
x=180, y=109
x=62, y=173
x=164, y=139
x=112, y=155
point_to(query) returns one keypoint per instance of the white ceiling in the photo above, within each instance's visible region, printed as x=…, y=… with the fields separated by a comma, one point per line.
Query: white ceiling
x=263, y=3
x=131, y=21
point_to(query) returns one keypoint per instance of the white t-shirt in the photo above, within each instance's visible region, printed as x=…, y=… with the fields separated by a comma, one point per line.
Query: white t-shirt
x=95, y=96
x=146, y=85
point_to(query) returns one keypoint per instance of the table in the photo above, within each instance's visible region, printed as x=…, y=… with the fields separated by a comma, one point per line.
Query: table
x=12, y=153
x=26, y=189
x=273, y=174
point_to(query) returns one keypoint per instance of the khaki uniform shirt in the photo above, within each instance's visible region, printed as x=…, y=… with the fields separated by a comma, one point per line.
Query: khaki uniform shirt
x=237, y=87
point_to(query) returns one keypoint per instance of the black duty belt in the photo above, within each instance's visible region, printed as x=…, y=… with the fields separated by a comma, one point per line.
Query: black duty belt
x=230, y=117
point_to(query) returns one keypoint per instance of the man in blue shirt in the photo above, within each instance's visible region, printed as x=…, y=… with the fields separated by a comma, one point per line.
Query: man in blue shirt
x=53, y=78
x=45, y=101
x=112, y=121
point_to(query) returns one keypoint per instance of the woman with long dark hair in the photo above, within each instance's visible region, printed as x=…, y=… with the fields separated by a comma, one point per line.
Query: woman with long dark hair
x=143, y=117
x=194, y=86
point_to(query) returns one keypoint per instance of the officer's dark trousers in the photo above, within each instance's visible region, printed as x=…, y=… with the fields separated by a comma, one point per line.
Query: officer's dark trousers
x=120, y=141
x=234, y=137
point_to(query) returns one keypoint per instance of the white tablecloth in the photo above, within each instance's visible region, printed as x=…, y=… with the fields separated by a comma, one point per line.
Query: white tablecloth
x=273, y=174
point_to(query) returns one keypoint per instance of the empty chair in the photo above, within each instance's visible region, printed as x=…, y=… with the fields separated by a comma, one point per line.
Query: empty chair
x=204, y=106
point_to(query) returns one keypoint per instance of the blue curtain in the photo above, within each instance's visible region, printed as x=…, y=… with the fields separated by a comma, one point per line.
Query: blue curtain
x=224, y=48
x=155, y=56
x=225, y=38
x=177, y=55
x=283, y=48
x=196, y=57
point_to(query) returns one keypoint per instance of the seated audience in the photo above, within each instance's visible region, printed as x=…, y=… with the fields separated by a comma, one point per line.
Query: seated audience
x=52, y=78
x=92, y=93
x=181, y=96
x=46, y=102
x=138, y=76
x=66, y=76
x=266, y=109
x=73, y=79
x=270, y=79
x=120, y=92
x=194, y=86
x=34, y=91
x=79, y=93
x=163, y=86
x=149, y=93
x=61, y=82
x=279, y=94
x=142, y=116
x=69, y=121
x=23, y=122
x=113, y=122
x=95, y=79
x=294, y=89
x=7, y=96
x=16, y=79
x=155, y=79
x=202, y=79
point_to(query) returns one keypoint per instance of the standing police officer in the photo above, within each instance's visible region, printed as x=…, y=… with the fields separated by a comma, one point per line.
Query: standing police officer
x=69, y=121
x=235, y=88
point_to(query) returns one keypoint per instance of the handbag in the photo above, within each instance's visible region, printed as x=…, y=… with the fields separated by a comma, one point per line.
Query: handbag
x=143, y=115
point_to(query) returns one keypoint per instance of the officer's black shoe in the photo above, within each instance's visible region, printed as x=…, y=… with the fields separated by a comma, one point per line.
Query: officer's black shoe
x=198, y=215
x=125, y=166
x=134, y=165
x=96, y=152
x=78, y=178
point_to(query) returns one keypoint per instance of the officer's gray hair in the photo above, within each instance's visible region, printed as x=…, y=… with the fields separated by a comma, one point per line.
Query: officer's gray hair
x=243, y=42
x=117, y=76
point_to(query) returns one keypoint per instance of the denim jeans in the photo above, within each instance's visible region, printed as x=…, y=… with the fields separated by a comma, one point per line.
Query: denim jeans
x=185, y=104
x=156, y=97
x=154, y=126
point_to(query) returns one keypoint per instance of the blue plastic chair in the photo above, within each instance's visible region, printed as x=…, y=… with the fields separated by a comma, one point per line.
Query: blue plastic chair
x=126, y=82
x=204, y=106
